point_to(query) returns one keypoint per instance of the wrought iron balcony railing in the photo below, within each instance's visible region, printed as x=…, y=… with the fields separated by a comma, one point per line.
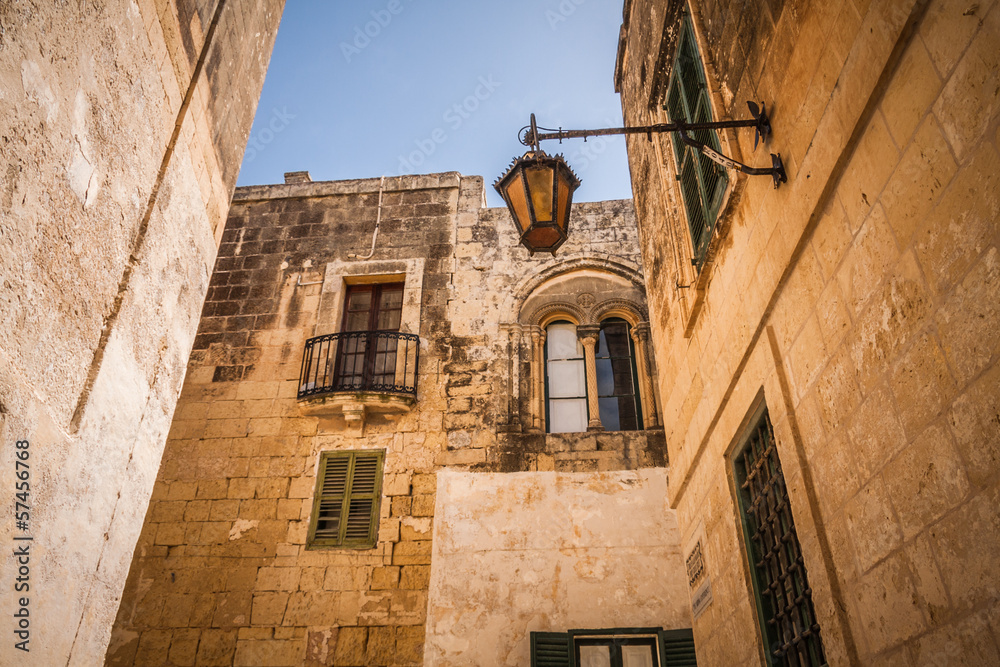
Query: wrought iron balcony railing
x=380, y=362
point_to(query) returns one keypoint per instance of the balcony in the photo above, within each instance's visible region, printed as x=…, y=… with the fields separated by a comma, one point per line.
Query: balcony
x=359, y=372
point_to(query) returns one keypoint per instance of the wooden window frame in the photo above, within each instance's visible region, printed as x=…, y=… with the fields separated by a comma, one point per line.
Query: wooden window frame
x=702, y=183
x=344, y=509
x=371, y=346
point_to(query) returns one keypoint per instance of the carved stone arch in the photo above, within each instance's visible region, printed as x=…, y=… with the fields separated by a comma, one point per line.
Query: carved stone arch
x=576, y=262
x=550, y=312
x=630, y=312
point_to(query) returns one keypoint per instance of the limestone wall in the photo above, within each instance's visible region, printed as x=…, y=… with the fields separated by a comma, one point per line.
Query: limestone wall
x=523, y=552
x=222, y=574
x=123, y=126
x=859, y=298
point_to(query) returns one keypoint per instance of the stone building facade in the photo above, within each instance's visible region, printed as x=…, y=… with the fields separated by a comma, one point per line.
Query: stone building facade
x=486, y=526
x=122, y=128
x=853, y=311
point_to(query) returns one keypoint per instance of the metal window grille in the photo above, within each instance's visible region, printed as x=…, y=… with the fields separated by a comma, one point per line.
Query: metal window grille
x=784, y=599
x=382, y=362
x=703, y=182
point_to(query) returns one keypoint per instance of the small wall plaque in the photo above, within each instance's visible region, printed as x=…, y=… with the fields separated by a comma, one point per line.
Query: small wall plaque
x=701, y=598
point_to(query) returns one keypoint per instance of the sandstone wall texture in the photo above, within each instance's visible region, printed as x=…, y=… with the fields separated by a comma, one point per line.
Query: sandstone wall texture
x=859, y=298
x=221, y=574
x=123, y=125
x=549, y=551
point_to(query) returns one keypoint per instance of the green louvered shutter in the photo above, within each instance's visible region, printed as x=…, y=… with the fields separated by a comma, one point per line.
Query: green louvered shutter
x=346, y=507
x=677, y=648
x=703, y=183
x=551, y=649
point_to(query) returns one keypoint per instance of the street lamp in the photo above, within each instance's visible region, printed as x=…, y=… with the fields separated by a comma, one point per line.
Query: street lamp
x=538, y=188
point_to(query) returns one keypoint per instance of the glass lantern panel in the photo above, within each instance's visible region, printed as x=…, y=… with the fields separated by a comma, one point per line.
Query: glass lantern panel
x=540, y=186
x=543, y=238
x=562, y=212
x=514, y=192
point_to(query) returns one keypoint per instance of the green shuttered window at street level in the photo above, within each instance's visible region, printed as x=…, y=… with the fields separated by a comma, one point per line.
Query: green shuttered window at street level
x=787, y=621
x=346, y=506
x=703, y=182
x=616, y=647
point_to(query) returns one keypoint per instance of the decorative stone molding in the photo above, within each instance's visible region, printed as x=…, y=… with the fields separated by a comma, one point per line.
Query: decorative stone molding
x=569, y=264
x=545, y=315
x=631, y=312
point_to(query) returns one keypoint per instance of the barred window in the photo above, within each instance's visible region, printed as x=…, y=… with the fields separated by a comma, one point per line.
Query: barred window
x=348, y=493
x=786, y=617
x=703, y=182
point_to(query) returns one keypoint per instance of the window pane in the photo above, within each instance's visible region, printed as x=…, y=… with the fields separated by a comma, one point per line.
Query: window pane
x=567, y=379
x=359, y=300
x=609, y=413
x=568, y=415
x=562, y=342
x=615, y=339
x=392, y=299
x=637, y=656
x=357, y=321
x=595, y=656
x=605, y=378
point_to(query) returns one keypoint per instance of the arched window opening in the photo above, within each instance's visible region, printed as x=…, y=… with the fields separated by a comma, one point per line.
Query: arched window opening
x=565, y=380
x=617, y=381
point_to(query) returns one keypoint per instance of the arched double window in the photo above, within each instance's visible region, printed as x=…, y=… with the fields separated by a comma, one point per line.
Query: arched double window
x=612, y=394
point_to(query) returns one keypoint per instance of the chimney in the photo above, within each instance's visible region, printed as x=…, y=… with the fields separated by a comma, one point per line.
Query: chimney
x=297, y=177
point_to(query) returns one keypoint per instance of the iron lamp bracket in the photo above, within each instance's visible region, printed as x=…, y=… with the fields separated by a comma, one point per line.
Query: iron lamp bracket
x=529, y=135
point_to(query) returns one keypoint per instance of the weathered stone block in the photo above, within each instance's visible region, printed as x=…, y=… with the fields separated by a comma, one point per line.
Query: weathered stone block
x=268, y=609
x=381, y=648
x=423, y=506
x=351, y=647
x=412, y=553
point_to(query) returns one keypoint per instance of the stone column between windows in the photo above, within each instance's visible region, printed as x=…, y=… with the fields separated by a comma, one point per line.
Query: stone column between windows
x=589, y=336
x=538, y=377
x=512, y=420
x=640, y=337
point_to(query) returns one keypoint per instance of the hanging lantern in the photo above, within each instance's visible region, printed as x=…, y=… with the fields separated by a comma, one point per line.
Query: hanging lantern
x=538, y=190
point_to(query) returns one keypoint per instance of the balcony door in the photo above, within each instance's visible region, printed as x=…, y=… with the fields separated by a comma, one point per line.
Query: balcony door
x=367, y=351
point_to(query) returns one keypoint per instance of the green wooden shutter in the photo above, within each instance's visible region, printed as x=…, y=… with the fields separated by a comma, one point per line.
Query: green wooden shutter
x=703, y=183
x=348, y=492
x=551, y=649
x=677, y=648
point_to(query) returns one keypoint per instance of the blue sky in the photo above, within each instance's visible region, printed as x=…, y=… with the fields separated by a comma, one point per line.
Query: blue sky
x=359, y=89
